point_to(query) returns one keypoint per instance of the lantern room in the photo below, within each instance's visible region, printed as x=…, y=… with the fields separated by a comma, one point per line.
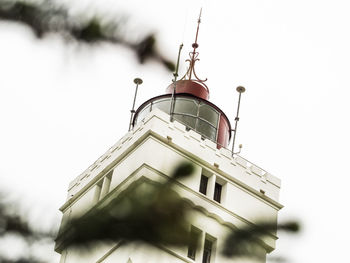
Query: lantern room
x=191, y=109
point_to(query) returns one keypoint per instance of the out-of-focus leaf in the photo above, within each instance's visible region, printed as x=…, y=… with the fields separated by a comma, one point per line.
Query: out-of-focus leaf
x=147, y=211
x=246, y=242
x=47, y=17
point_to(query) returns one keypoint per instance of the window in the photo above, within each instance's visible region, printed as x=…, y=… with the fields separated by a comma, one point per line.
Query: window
x=217, y=192
x=163, y=105
x=208, y=246
x=142, y=114
x=186, y=106
x=203, y=184
x=203, y=127
x=209, y=114
x=194, y=113
x=189, y=121
x=193, y=243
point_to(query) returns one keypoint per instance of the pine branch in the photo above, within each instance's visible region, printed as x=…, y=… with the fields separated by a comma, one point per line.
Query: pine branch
x=47, y=17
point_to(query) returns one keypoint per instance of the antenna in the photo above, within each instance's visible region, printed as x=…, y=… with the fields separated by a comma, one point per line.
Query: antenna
x=172, y=105
x=240, y=90
x=138, y=82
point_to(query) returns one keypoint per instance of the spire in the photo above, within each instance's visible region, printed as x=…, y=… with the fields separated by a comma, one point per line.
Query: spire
x=194, y=57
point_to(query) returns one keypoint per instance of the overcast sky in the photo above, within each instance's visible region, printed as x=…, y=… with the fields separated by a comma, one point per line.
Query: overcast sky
x=62, y=107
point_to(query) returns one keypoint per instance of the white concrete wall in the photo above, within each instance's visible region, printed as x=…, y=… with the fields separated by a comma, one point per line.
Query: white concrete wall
x=153, y=149
x=188, y=142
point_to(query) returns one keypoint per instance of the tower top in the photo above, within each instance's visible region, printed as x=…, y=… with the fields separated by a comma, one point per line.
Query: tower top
x=186, y=101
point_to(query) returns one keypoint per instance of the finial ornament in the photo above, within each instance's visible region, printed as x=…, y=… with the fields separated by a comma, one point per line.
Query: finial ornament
x=240, y=89
x=138, y=81
x=194, y=56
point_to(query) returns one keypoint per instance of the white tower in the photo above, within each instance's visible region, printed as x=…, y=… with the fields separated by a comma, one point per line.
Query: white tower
x=226, y=191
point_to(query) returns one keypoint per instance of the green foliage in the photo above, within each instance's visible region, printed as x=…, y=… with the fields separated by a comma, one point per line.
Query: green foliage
x=247, y=241
x=147, y=211
x=47, y=17
x=12, y=224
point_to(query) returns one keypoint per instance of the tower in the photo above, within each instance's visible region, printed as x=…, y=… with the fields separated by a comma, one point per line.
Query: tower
x=225, y=190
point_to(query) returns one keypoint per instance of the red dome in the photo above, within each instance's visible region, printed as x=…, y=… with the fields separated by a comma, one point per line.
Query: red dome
x=191, y=87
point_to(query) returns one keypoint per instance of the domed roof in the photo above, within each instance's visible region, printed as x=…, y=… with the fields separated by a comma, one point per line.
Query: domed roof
x=189, y=86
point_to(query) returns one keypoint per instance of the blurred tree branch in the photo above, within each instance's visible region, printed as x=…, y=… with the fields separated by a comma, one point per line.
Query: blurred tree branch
x=11, y=224
x=154, y=215
x=47, y=17
x=147, y=212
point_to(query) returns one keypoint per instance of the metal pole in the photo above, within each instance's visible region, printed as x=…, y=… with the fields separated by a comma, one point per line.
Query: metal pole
x=240, y=90
x=138, y=82
x=172, y=105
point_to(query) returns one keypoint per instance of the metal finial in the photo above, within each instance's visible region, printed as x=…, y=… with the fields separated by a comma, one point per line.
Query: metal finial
x=195, y=44
x=194, y=56
x=138, y=82
x=240, y=90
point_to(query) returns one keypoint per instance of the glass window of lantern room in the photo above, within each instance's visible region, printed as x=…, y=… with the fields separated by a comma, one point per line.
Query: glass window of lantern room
x=187, y=120
x=142, y=113
x=209, y=114
x=186, y=106
x=206, y=129
x=163, y=105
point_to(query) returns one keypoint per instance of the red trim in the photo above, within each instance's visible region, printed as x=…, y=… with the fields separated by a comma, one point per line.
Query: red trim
x=223, y=136
x=190, y=87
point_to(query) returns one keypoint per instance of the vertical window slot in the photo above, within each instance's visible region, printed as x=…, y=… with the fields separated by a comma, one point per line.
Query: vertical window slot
x=203, y=184
x=217, y=192
x=193, y=243
x=208, y=246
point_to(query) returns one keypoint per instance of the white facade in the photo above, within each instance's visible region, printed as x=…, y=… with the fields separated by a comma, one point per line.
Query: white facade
x=150, y=152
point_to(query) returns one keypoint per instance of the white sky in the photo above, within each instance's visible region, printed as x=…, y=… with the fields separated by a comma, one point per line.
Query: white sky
x=62, y=107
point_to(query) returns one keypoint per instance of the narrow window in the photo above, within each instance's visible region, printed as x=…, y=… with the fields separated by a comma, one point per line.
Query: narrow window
x=208, y=245
x=203, y=184
x=193, y=243
x=217, y=192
